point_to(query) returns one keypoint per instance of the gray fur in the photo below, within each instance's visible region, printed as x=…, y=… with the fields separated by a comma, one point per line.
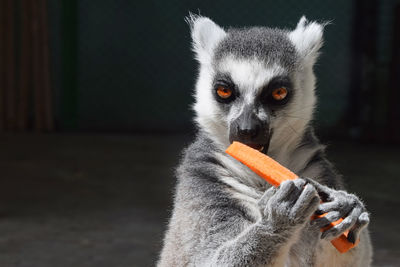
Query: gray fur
x=224, y=214
x=269, y=45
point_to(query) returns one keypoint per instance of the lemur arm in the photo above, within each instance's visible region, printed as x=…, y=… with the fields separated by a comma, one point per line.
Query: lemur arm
x=234, y=239
x=328, y=183
x=256, y=245
x=338, y=202
x=274, y=173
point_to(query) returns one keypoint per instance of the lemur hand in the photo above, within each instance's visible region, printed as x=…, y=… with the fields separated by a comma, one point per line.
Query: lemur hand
x=289, y=205
x=340, y=204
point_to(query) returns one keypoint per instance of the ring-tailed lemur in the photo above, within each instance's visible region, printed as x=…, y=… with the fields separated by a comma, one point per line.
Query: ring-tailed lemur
x=256, y=85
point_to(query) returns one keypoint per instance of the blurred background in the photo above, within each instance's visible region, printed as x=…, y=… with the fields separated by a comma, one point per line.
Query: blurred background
x=95, y=109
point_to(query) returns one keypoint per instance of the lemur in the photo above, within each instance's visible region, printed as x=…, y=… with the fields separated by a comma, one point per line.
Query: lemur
x=256, y=86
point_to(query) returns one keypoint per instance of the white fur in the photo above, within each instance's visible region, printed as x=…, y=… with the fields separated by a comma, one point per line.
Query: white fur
x=208, y=116
x=240, y=177
x=290, y=125
x=307, y=37
x=250, y=75
x=206, y=35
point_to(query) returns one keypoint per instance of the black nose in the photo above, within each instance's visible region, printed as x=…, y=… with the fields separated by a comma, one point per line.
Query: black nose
x=248, y=132
x=248, y=128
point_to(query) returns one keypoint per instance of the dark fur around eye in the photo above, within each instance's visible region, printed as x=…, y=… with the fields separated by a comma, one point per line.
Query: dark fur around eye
x=277, y=82
x=225, y=81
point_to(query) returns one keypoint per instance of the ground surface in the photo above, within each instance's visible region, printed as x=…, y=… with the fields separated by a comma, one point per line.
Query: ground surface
x=101, y=200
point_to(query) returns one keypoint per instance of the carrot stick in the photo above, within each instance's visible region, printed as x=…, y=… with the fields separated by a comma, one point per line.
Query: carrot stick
x=274, y=173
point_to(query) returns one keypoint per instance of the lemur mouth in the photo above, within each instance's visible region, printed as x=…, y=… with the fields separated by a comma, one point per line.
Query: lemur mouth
x=263, y=148
x=258, y=147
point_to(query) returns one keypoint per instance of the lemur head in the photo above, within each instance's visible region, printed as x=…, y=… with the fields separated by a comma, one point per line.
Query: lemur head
x=255, y=85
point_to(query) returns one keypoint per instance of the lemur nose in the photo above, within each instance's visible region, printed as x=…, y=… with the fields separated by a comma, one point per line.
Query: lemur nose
x=248, y=132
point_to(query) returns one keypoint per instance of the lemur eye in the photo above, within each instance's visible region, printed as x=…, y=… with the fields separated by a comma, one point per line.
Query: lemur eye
x=224, y=92
x=279, y=93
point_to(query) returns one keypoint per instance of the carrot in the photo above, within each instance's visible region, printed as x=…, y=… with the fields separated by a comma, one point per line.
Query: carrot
x=274, y=173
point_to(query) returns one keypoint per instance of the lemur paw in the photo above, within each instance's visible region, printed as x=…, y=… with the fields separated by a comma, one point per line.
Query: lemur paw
x=340, y=204
x=291, y=204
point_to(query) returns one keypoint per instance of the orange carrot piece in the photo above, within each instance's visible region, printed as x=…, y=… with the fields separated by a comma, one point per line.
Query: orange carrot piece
x=274, y=173
x=267, y=168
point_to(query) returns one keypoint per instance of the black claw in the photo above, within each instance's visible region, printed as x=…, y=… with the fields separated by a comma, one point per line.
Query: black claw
x=324, y=196
x=318, y=212
x=323, y=235
x=351, y=237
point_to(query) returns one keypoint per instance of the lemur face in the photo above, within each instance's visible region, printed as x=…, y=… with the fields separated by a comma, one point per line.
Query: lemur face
x=256, y=67
x=256, y=85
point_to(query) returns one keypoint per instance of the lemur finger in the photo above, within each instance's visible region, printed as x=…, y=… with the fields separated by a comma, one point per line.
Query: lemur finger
x=307, y=201
x=267, y=196
x=340, y=206
x=295, y=194
x=313, y=205
x=284, y=190
x=323, y=191
x=327, y=207
x=299, y=182
x=332, y=216
x=361, y=223
x=347, y=223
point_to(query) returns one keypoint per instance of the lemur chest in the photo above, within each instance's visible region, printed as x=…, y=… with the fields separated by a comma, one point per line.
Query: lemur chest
x=307, y=248
x=310, y=250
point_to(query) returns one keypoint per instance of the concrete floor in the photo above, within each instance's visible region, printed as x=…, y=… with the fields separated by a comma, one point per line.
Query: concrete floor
x=101, y=200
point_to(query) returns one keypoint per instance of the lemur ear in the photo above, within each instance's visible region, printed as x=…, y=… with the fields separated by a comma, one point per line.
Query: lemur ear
x=307, y=37
x=205, y=35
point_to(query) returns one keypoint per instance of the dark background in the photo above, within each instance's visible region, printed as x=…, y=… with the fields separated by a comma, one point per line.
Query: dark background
x=95, y=108
x=127, y=66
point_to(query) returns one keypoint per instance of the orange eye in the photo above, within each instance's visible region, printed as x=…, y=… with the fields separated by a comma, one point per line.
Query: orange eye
x=224, y=92
x=279, y=93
